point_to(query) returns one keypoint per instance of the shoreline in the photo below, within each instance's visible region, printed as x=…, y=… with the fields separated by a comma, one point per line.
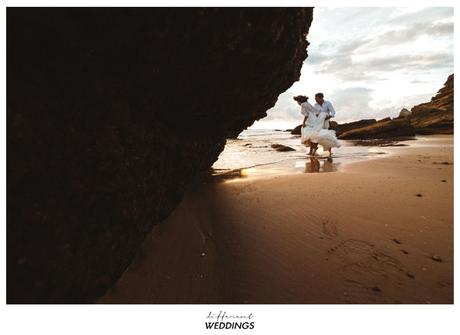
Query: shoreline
x=376, y=231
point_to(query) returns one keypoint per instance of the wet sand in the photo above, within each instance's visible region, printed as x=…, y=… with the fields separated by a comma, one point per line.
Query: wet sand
x=375, y=231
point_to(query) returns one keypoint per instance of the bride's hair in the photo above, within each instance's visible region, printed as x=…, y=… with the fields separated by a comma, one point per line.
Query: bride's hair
x=301, y=98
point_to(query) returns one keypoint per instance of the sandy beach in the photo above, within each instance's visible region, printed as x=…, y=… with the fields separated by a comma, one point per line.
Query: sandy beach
x=374, y=231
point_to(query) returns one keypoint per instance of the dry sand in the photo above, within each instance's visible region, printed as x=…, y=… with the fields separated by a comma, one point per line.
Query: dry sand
x=364, y=234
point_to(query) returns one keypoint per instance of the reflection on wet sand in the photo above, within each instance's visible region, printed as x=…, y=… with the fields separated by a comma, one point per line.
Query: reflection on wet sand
x=314, y=165
x=252, y=155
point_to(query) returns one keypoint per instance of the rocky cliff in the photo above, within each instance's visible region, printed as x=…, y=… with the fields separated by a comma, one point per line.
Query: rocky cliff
x=380, y=129
x=434, y=117
x=110, y=113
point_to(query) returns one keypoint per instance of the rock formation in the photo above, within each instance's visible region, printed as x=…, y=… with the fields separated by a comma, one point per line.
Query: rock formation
x=385, y=128
x=436, y=116
x=344, y=127
x=111, y=113
x=296, y=130
x=281, y=147
x=404, y=112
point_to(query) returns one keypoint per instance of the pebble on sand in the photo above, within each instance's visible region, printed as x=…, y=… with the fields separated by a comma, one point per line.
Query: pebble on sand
x=281, y=148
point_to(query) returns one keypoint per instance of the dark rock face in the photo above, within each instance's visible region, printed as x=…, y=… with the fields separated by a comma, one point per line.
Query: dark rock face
x=381, y=129
x=110, y=113
x=281, y=147
x=344, y=127
x=297, y=130
x=382, y=142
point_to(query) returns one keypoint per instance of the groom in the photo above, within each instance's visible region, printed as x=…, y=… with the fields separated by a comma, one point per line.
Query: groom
x=324, y=106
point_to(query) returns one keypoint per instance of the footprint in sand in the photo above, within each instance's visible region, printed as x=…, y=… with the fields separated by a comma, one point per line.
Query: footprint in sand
x=330, y=228
x=367, y=270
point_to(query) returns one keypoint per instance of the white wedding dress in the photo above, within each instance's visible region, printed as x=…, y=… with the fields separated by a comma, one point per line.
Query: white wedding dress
x=314, y=129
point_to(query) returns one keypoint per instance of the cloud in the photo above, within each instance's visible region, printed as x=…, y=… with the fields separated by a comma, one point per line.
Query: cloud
x=351, y=103
x=365, y=57
x=407, y=62
x=410, y=33
x=371, y=62
x=285, y=109
x=381, y=66
x=317, y=58
x=424, y=15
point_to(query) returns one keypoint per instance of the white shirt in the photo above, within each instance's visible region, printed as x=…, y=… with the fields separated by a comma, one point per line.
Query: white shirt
x=326, y=107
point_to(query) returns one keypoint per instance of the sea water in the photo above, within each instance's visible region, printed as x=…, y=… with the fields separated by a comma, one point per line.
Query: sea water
x=251, y=154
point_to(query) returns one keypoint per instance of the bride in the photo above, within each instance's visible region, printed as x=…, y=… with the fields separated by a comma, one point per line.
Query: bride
x=312, y=130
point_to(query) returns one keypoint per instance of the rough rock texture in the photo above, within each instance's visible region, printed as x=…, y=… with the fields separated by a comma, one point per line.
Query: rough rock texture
x=110, y=113
x=436, y=116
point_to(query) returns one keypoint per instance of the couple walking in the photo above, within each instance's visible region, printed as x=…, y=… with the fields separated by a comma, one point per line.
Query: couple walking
x=315, y=125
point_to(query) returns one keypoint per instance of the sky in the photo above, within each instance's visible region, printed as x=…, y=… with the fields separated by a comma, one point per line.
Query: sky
x=370, y=62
